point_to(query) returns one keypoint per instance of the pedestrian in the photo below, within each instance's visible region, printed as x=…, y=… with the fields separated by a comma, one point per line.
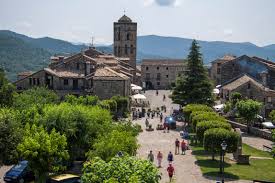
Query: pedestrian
x=170, y=157
x=157, y=92
x=146, y=122
x=157, y=113
x=148, y=114
x=164, y=127
x=160, y=117
x=183, y=147
x=151, y=156
x=164, y=97
x=170, y=171
x=159, y=157
x=177, y=146
x=168, y=127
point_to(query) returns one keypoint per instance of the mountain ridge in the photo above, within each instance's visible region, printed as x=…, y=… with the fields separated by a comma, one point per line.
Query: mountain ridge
x=19, y=52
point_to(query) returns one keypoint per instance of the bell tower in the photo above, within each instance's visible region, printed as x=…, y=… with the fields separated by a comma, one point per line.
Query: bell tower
x=125, y=39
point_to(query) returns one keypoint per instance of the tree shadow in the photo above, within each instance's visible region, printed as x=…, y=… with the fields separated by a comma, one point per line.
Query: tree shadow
x=209, y=163
x=214, y=175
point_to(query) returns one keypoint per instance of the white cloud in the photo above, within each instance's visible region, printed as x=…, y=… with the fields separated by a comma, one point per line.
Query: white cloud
x=171, y=3
x=24, y=24
x=148, y=2
x=228, y=32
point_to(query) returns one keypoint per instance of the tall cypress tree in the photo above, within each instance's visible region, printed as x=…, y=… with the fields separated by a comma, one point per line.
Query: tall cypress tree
x=195, y=86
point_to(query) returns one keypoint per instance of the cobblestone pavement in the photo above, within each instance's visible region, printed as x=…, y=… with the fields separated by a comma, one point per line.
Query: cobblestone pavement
x=186, y=170
x=255, y=142
x=3, y=170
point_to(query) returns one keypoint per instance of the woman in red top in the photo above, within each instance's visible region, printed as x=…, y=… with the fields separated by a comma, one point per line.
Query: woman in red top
x=170, y=171
x=183, y=147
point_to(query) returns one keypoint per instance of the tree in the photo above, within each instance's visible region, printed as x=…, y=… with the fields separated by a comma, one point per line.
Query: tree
x=248, y=109
x=190, y=108
x=205, y=125
x=122, y=105
x=206, y=116
x=235, y=97
x=44, y=151
x=81, y=125
x=195, y=87
x=84, y=100
x=10, y=135
x=120, y=170
x=215, y=136
x=6, y=91
x=107, y=146
x=272, y=115
x=35, y=96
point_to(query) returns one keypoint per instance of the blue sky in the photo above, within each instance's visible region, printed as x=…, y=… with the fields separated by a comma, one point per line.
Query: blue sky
x=79, y=20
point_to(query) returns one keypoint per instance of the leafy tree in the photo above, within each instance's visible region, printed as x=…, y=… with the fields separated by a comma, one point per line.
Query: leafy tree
x=272, y=115
x=35, y=96
x=10, y=135
x=81, y=125
x=248, y=109
x=215, y=136
x=127, y=126
x=107, y=146
x=110, y=105
x=195, y=87
x=190, y=108
x=205, y=125
x=235, y=97
x=84, y=100
x=206, y=116
x=44, y=151
x=6, y=90
x=120, y=170
x=122, y=105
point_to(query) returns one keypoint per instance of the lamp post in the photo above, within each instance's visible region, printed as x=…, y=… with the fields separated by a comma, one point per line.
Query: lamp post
x=223, y=149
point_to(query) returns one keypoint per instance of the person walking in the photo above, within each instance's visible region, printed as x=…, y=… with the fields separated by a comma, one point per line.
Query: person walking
x=183, y=147
x=171, y=172
x=146, y=122
x=170, y=157
x=157, y=92
x=159, y=157
x=151, y=156
x=160, y=117
x=177, y=146
x=164, y=97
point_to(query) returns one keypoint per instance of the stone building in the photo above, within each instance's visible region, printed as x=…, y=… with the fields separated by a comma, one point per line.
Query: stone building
x=251, y=89
x=90, y=72
x=161, y=73
x=125, y=40
x=215, y=70
x=260, y=69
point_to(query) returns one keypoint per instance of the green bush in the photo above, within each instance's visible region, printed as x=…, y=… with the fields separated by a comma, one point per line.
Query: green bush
x=215, y=136
x=188, y=109
x=107, y=146
x=206, y=116
x=205, y=125
x=10, y=135
x=110, y=105
x=120, y=170
x=84, y=100
x=122, y=105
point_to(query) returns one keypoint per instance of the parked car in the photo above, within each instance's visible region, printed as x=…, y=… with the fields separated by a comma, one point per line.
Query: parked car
x=64, y=178
x=19, y=173
x=171, y=122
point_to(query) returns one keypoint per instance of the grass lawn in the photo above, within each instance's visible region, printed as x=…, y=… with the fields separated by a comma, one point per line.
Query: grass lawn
x=258, y=169
x=248, y=150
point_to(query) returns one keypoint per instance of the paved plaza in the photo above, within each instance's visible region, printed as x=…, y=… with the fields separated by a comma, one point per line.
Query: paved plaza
x=186, y=170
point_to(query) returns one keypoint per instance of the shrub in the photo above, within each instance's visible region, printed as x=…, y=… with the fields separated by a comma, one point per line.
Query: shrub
x=205, y=125
x=215, y=136
x=122, y=105
x=188, y=109
x=206, y=116
x=84, y=100
x=110, y=105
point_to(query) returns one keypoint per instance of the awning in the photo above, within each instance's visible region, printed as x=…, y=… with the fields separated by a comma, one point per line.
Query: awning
x=136, y=88
x=138, y=96
x=132, y=85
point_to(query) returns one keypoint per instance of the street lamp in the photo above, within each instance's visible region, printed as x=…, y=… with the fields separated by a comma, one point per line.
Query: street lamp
x=223, y=149
x=119, y=154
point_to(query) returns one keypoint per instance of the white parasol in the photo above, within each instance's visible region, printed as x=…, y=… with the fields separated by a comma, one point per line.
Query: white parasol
x=139, y=96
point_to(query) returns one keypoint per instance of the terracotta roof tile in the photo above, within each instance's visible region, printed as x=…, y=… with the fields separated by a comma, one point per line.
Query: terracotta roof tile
x=163, y=62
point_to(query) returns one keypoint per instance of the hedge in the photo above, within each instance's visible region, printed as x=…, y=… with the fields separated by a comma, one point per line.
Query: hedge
x=206, y=125
x=206, y=116
x=215, y=136
x=188, y=109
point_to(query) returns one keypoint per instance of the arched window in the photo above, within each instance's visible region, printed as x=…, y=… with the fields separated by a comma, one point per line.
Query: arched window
x=126, y=50
x=128, y=36
x=132, y=49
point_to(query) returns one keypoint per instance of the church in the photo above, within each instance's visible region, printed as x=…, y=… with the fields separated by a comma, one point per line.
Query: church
x=91, y=72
